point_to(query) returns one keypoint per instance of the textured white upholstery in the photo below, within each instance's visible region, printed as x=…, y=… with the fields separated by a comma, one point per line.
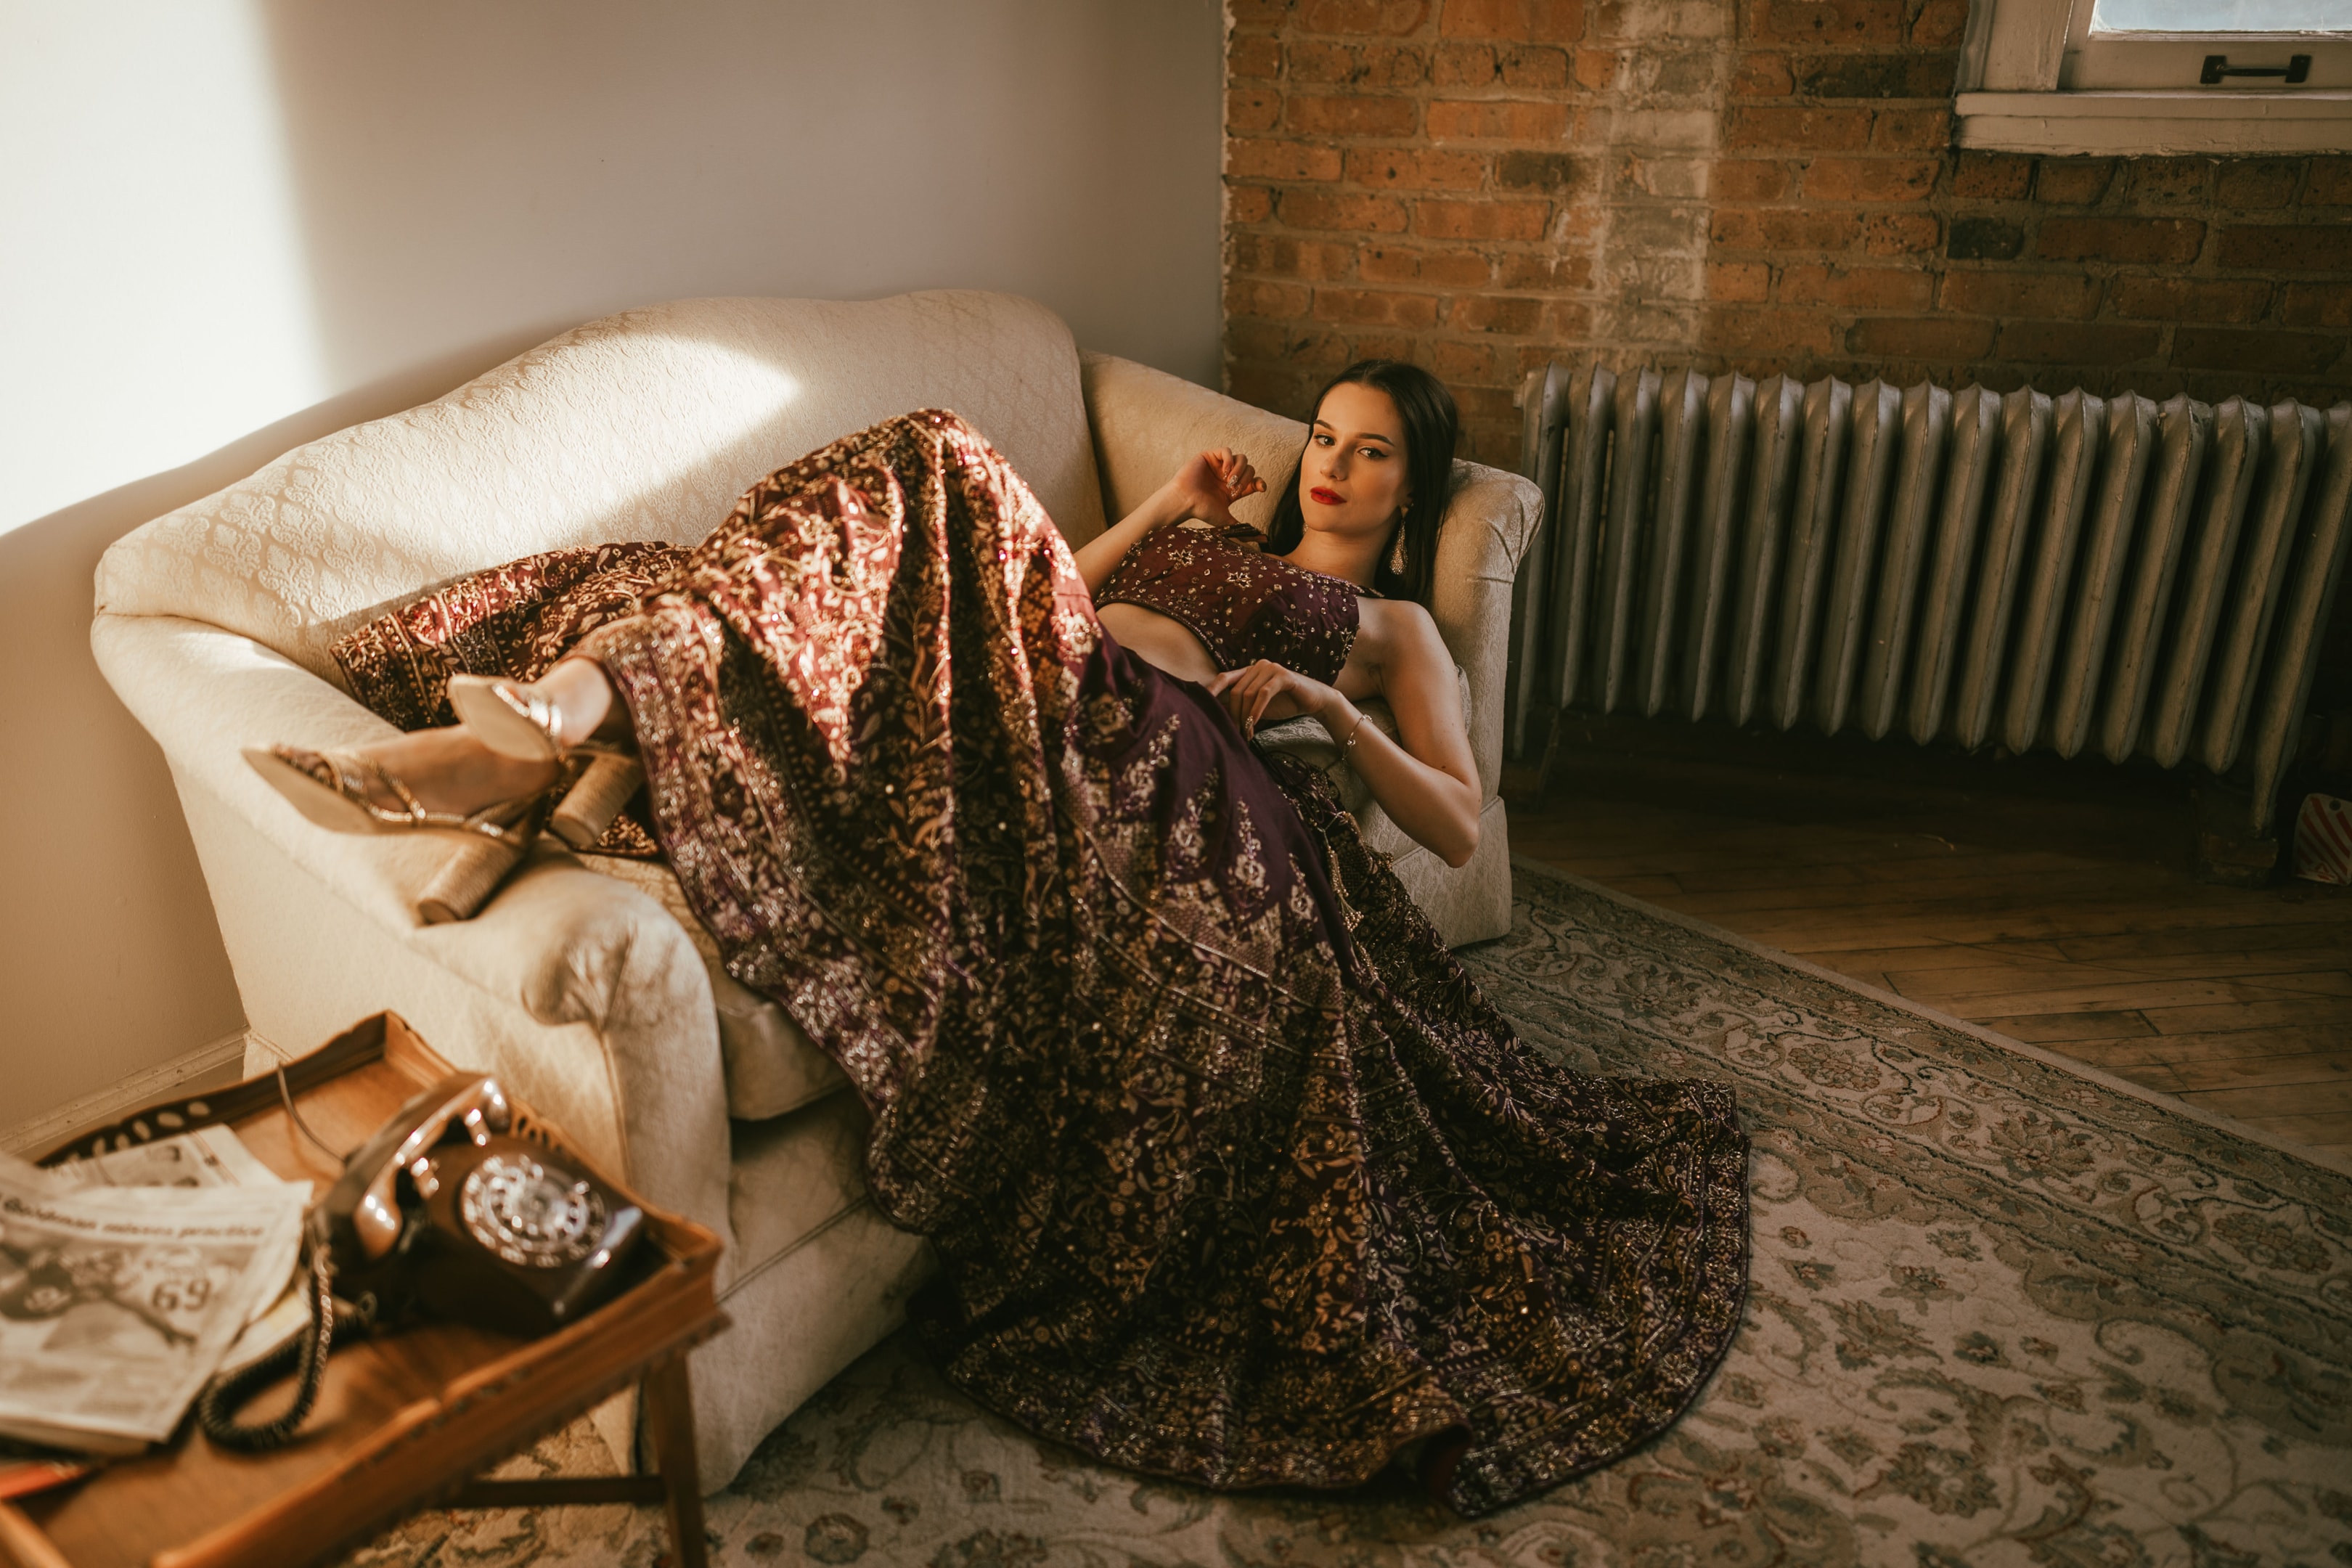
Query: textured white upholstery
x=583, y=982
x=642, y=426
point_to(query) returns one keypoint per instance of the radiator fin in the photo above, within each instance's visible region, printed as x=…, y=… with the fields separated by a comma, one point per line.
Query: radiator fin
x=1779, y=404
x=2000, y=564
x=1847, y=612
x=1812, y=526
x=2317, y=571
x=2186, y=430
x=1927, y=424
x=2078, y=421
x=1959, y=524
x=2105, y=553
x=1633, y=453
x=2204, y=585
x=1682, y=435
x=1731, y=421
x=1532, y=660
x=1594, y=398
x=2257, y=580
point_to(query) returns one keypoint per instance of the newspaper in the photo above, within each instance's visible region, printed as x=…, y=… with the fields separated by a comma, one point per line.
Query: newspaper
x=208, y=1157
x=118, y=1301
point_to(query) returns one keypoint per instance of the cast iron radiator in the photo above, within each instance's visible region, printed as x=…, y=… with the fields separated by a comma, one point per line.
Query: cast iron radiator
x=2112, y=577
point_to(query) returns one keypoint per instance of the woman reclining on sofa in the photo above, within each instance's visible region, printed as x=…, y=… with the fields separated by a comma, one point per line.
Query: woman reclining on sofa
x=1235, y=1175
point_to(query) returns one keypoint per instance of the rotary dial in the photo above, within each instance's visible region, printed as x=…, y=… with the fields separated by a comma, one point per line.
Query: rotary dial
x=528, y=1215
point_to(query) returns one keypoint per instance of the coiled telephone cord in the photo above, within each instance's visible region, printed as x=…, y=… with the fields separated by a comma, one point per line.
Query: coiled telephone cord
x=307, y=1348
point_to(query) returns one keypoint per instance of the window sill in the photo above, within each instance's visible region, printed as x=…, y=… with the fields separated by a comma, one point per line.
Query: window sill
x=2162, y=123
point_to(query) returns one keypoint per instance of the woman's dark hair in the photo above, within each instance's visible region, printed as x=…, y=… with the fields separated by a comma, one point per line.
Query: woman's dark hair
x=1429, y=426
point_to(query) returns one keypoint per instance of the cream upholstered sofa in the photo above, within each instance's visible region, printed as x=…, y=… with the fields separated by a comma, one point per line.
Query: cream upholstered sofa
x=587, y=985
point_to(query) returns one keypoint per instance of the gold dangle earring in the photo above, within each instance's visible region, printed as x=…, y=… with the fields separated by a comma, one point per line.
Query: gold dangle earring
x=1396, y=556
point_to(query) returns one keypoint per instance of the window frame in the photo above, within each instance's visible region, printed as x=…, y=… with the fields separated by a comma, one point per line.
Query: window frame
x=2013, y=94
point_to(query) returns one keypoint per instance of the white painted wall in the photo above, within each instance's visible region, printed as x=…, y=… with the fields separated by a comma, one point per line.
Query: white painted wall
x=229, y=226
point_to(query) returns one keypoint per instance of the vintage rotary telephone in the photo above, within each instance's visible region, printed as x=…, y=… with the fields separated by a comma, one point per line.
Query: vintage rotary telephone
x=444, y=1213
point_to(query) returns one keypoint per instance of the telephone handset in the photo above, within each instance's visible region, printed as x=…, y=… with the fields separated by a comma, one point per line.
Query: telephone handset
x=444, y=1213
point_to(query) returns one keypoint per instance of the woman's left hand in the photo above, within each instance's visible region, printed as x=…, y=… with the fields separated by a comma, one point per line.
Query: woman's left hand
x=1250, y=693
x=1209, y=484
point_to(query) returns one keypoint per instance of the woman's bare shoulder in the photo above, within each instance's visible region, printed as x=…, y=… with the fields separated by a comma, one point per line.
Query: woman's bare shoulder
x=1398, y=629
x=1391, y=620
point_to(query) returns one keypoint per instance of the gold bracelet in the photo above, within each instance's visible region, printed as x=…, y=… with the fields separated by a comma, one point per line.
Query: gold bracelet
x=1349, y=743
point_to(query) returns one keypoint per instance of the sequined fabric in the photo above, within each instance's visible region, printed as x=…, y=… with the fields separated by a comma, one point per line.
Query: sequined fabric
x=1243, y=606
x=1235, y=1175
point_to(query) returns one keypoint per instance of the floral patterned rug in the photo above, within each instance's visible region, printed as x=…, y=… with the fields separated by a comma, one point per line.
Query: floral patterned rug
x=2003, y=1311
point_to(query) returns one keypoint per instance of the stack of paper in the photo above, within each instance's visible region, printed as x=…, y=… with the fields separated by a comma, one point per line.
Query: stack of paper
x=125, y=1279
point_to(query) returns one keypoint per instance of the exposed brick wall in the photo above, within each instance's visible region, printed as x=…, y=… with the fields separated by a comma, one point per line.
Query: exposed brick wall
x=1479, y=186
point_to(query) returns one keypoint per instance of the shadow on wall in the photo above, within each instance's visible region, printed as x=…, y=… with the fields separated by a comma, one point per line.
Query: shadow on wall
x=110, y=939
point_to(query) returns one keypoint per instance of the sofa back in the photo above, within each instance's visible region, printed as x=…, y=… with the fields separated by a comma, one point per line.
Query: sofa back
x=645, y=424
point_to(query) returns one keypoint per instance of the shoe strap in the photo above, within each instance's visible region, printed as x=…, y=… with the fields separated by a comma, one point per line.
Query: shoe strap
x=351, y=772
x=510, y=820
x=409, y=803
x=502, y=819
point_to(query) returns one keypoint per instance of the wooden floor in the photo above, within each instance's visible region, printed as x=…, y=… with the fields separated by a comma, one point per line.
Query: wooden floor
x=2066, y=916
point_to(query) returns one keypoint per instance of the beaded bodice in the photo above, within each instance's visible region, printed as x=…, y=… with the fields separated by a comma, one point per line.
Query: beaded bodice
x=1242, y=605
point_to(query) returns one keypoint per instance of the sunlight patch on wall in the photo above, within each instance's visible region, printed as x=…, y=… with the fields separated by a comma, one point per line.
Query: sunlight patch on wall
x=153, y=295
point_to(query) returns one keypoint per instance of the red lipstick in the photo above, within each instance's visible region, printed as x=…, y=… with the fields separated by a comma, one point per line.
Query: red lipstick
x=1328, y=497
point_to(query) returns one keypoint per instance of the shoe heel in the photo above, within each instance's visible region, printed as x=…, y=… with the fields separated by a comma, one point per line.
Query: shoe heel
x=466, y=881
x=589, y=806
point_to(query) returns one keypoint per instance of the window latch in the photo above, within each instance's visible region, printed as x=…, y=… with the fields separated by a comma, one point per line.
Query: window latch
x=2297, y=69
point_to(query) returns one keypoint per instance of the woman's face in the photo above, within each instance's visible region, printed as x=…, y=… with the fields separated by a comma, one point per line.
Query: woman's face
x=1351, y=479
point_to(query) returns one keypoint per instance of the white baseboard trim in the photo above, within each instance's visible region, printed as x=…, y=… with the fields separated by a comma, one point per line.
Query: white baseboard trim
x=268, y=1052
x=206, y=1067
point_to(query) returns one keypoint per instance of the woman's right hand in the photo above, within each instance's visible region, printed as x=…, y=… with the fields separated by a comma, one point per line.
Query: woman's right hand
x=1265, y=690
x=1211, y=482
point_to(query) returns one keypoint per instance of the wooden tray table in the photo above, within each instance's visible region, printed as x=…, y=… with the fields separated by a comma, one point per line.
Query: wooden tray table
x=404, y=1419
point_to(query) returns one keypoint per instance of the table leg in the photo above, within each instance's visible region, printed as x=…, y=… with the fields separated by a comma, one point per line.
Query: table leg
x=669, y=1420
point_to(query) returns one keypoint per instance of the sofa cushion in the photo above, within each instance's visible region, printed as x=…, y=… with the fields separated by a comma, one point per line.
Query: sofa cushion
x=794, y=1175
x=773, y=1069
x=646, y=425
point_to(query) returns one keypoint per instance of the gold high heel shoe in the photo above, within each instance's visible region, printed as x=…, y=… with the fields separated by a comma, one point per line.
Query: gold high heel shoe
x=331, y=788
x=515, y=723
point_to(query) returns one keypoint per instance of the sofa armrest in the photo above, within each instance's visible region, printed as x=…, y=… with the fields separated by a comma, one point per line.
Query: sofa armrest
x=583, y=992
x=1146, y=422
x=1488, y=525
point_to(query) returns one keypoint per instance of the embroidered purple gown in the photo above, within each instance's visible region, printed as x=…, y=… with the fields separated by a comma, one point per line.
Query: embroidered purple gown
x=1235, y=1175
